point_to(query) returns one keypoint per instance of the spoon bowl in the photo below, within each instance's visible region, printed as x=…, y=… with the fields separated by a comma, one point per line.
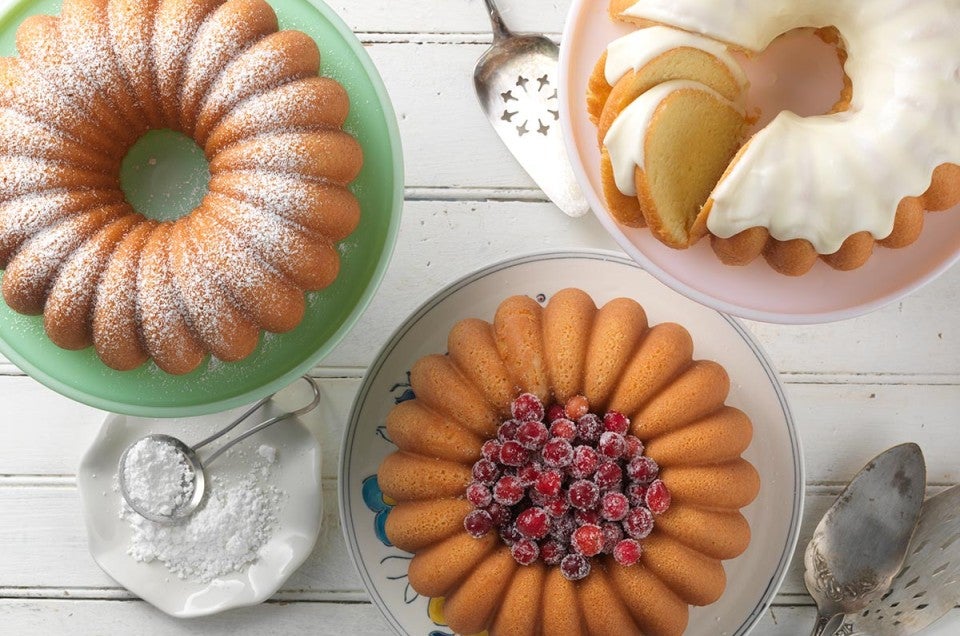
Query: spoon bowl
x=861, y=542
x=199, y=481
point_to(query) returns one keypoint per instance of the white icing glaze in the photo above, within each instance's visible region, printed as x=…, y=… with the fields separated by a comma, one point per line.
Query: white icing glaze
x=825, y=178
x=637, y=49
x=624, y=140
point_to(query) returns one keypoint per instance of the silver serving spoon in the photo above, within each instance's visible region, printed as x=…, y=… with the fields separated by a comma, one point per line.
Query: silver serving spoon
x=928, y=586
x=861, y=542
x=516, y=83
x=187, y=508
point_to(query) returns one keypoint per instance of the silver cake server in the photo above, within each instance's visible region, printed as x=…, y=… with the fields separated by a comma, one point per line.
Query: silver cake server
x=516, y=83
x=860, y=544
x=928, y=585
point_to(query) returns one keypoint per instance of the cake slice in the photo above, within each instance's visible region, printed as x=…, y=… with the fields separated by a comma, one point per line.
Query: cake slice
x=636, y=63
x=668, y=148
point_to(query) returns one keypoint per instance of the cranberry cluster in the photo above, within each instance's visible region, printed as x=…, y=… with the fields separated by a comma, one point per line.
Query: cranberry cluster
x=563, y=485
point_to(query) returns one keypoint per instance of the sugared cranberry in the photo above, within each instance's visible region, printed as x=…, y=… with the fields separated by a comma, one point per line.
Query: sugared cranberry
x=486, y=472
x=637, y=495
x=499, y=514
x=561, y=503
x=557, y=453
x=616, y=422
x=525, y=551
x=552, y=552
x=642, y=469
x=586, y=517
x=478, y=523
x=508, y=430
x=533, y=523
x=614, y=506
x=549, y=482
x=508, y=491
x=585, y=462
x=634, y=446
x=658, y=497
x=513, y=454
x=564, y=428
x=590, y=428
x=612, y=445
x=557, y=506
x=574, y=567
x=527, y=407
x=491, y=450
x=583, y=494
x=576, y=407
x=555, y=412
x=529, y=473
x=627, y=552
x=479, y=494
x=638, y=523
x=609, y=475
x=563, y=527
x=587, y=540
x=510, y=534
x=533, y=435
x=612, y=535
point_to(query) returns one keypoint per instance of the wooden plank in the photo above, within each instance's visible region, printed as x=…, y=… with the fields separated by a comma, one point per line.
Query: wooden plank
x=95, y=617
x=841, y=425
x=45, y=546
x=429, y=16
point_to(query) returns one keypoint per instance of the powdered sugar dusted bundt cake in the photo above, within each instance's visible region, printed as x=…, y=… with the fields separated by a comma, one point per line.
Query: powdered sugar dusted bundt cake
x=568, y=470
x=830, y=186
x=85, y=87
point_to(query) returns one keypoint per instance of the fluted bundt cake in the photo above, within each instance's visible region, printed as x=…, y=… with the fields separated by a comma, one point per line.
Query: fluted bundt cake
x=568, y=470
x=830, y=186
x=85, y=87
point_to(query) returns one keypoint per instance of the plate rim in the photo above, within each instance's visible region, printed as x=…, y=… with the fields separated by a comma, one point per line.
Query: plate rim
x=670, y=280
x=385, y=258
x=346, y=447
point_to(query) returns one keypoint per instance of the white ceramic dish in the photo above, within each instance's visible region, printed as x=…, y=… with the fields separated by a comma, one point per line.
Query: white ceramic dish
x=756, y=291
x=296, y=472
x=753, y=578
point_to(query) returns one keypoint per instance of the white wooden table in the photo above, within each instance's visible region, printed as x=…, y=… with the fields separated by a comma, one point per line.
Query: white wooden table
x=855, y=387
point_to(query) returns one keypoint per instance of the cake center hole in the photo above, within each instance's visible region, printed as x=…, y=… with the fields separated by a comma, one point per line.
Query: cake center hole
x=164, y=175
x=800, y=71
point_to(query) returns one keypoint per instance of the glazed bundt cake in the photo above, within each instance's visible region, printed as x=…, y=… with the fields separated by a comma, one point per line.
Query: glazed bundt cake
x=568, y=470
x=830, y=186
x=85, y=87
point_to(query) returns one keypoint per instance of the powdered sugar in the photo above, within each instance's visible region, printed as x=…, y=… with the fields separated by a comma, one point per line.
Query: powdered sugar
x=225, y=535
x=159, y=478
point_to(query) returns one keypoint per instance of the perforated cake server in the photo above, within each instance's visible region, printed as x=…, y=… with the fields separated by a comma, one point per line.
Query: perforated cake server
x=516, y=83
x=928, y=585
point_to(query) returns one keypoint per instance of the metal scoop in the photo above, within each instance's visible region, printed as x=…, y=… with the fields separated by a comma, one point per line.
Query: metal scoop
x=928, y=586
x=187, y=508
x=516, y=83
x=861, y=542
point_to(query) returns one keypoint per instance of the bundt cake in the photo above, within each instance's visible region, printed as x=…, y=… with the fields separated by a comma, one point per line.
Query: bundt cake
x=85, y=87
x=568, y=470
x=830, y=186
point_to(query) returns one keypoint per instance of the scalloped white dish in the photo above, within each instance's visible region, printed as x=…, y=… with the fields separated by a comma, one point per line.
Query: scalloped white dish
x=756, y=291
x=752, y=579
x=296, y=473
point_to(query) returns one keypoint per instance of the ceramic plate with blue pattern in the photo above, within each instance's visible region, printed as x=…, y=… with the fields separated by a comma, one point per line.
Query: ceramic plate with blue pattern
x=752, y=579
